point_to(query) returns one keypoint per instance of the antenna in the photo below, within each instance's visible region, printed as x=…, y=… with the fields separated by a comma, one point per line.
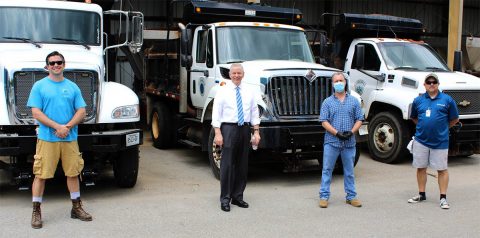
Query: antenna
x=293, y=12
x=392, y=31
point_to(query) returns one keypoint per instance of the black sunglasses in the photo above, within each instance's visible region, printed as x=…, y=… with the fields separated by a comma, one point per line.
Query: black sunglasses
x=52, y=63
x=431, y=82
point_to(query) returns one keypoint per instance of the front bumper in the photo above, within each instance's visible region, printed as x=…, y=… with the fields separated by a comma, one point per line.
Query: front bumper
x=281, y=137
x=101, y=141
x=465, y=141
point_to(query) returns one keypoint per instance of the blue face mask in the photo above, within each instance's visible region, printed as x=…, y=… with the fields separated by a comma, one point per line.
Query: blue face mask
x=339, y=87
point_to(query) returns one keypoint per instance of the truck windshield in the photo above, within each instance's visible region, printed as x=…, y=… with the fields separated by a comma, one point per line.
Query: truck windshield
x=411, y=56
x=42, y=25
x=237, y=44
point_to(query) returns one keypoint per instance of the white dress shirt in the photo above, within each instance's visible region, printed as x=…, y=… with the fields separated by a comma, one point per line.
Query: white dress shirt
x=225, y=105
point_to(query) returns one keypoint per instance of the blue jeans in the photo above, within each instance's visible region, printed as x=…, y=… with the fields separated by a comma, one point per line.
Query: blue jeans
x=330, y=155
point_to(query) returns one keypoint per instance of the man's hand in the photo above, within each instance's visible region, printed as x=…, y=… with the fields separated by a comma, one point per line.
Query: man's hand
x=347, y=134
x=344, y=135
x=62, y=131
x=256, y=139
x=218, y=140
x=341, y=136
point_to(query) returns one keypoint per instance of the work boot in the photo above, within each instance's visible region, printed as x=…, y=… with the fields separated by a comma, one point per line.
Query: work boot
x=78, y=212
x=36, y=216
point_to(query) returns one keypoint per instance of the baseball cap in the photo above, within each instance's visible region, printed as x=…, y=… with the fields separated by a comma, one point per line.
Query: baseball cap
x=432, y=75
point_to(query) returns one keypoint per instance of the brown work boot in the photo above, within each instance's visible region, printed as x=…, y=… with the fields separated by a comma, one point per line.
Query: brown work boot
x=78, y=212
x=354, y=202
x=36, y=216
x=323, y=203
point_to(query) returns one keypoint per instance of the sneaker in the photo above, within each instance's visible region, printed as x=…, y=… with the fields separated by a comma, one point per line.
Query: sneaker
x=444, y=204
x=323, y=203
x=354, y=202
x=416, y=199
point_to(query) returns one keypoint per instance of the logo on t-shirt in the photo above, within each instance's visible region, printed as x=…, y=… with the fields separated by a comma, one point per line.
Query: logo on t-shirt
x=65, y=92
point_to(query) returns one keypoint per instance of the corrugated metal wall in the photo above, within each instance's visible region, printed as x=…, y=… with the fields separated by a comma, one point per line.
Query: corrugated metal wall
x=433, y=13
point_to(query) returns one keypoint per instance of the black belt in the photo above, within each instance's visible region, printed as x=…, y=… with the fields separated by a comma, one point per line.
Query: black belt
x=235, y=124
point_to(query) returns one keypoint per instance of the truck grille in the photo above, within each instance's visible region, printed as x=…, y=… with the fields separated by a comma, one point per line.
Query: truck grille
x=467, y=101
x=23, y=82
x=294, y=96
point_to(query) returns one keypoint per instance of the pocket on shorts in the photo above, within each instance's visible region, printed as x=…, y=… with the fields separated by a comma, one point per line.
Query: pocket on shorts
x=37, y=164
x=80, y=163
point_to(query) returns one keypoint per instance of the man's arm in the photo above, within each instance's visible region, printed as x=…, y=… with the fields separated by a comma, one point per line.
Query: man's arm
x=61, y=131
x=453, y=122
x=415, y=120
x=77, y=118
x=356, y=126
x=328, y=127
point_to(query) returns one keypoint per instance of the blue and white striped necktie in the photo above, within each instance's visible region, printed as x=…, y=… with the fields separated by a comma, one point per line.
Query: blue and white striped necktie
x=239, y=107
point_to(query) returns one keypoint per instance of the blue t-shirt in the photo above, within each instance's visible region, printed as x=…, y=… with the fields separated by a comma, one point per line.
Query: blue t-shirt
x=58, y=101
x=342, y=116
x=432, y=130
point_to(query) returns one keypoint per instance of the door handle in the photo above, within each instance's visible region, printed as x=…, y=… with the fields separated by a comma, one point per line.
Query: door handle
x=205, y=72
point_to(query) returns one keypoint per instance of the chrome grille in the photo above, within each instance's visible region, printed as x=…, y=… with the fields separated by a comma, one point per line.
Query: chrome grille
x=294, y=96
x=470, y=97
x=23, y=82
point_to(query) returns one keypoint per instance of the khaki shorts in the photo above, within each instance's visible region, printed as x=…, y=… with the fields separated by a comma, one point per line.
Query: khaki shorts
x=424, y=157
x=49, y=153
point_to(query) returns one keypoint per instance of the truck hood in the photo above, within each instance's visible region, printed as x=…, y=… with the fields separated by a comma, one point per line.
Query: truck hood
x=31, y=57
x=448, y=80
x=256, y=69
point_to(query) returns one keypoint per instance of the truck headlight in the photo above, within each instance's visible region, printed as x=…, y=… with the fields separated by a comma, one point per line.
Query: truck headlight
x=123, y=112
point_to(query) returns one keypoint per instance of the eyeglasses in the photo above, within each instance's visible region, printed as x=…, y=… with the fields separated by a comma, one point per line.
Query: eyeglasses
x=52, y=63
x=431, y=82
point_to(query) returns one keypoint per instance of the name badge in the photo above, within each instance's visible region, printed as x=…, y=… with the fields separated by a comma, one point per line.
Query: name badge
x=427, y=113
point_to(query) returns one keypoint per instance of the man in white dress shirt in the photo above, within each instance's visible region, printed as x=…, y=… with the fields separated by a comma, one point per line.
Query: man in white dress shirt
x=234, y=113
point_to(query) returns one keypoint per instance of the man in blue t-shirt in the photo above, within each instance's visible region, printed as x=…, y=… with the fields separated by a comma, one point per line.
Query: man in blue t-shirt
x=433, y=113
x=341, y=116
x=58, y=107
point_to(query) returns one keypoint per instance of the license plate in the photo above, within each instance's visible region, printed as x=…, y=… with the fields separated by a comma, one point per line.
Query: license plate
x=133, y=139
x=363, y=130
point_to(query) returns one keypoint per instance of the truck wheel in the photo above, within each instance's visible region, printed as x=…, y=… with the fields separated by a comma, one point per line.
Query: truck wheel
x=214, y=154
x=388, y=136
x=125, y=167
x=161, y=127
x=338, y=169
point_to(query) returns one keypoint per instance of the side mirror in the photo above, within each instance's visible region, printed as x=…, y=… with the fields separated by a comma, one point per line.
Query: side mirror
x=457, y=61
x=185, y=57
x=136, y=41
x=360, y=56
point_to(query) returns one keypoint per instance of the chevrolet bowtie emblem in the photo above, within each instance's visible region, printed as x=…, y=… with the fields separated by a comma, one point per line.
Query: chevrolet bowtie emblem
x=464, y=103
x=310, y=75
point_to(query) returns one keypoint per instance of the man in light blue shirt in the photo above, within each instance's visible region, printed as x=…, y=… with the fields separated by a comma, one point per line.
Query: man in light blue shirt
x=58, y=107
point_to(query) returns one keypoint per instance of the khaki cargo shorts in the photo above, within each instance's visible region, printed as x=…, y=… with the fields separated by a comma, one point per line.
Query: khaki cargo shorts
x=49, y=153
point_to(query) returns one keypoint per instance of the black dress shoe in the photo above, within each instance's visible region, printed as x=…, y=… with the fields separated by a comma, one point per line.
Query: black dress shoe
x=225, y=207
x=240, y=203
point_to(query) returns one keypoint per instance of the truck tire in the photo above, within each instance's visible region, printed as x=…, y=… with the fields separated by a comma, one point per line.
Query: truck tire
x=214, y=155
x=388, y=136
x=161, y=127
x=125, y=167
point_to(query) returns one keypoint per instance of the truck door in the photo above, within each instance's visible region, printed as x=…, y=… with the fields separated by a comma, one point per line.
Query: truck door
x=365, y=82
x=202, y=73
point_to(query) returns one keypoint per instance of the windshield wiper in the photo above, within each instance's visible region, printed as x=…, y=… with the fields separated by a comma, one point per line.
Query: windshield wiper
x=406, y=67
x=435, y=69
x=235, y=61
x=26, y=40
x=74, y=41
